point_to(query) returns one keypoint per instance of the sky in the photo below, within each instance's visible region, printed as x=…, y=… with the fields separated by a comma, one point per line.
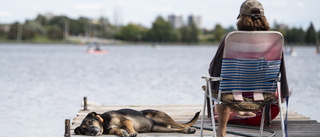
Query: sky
x=294, y=13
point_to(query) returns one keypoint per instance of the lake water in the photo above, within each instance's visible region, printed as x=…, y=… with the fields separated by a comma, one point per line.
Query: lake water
x=42, y=85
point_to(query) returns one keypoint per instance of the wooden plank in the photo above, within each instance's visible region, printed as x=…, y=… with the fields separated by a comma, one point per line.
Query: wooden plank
x=298, y=125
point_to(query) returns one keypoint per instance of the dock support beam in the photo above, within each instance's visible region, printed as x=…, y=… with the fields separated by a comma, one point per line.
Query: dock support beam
x=85, y=105
x=67, y=128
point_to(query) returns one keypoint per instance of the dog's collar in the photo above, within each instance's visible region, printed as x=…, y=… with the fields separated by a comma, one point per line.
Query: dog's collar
x=100, y=118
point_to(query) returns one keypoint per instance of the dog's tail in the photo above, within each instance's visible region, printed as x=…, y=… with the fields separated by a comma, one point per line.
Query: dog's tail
x=192, y=121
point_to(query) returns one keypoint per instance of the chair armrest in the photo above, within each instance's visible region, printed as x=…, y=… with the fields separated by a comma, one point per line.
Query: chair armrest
x=212, y=78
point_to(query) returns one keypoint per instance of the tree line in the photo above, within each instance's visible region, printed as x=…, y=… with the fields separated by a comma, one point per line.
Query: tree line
x=58, y=28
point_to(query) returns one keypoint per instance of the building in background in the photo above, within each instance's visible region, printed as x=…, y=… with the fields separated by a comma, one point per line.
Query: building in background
x=197, y=20
x=176, y=21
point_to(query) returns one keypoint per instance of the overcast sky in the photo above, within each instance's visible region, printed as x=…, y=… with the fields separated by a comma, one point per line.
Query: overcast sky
x=295, y=13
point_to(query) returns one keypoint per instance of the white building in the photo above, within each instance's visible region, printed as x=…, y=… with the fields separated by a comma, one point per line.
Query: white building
x=176, y=21
x=197, y=20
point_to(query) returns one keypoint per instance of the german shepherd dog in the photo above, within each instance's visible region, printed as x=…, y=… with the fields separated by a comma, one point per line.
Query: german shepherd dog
x=129, y=122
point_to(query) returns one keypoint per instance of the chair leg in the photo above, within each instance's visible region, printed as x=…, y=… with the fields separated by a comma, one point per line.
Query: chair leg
x=281, y=115
x=208, y=106
x=203, y=113
x=211, y=110
x=262, y=121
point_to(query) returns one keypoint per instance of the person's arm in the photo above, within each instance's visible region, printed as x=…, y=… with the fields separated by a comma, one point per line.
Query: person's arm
x=215, y=65
x=283, y=81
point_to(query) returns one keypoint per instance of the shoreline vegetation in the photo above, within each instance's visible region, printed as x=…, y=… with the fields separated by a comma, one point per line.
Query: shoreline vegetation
x=102, y=42
x=73, y=42
x=61, y=29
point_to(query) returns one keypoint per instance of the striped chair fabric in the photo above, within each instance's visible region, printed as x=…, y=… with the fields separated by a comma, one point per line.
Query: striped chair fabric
x=256, y=75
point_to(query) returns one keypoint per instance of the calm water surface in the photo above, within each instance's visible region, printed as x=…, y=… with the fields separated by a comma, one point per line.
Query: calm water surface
x=42, y=85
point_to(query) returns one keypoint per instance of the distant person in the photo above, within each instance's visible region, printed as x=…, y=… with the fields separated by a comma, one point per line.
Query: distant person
x=97, y=46
x=94, y=46
x=251, y=18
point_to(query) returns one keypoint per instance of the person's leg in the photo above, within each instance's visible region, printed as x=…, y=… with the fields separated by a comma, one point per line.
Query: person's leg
x=223, y=117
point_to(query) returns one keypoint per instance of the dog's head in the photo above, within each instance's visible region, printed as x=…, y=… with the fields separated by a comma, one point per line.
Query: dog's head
x=90, y=125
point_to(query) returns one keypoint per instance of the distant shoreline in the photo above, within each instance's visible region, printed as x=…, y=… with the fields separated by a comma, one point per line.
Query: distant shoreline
x=134, y=43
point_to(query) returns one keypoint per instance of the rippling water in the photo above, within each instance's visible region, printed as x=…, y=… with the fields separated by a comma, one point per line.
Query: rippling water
x=41, y=85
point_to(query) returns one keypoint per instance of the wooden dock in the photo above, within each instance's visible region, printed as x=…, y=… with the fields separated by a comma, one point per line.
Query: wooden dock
x=298, y=125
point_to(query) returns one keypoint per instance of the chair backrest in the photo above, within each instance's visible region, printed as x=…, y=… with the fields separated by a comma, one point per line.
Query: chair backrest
x=251, y=61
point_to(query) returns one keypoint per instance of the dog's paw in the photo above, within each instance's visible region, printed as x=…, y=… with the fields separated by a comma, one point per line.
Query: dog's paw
x=125, y=133
x=190, y=130
x=134, y=134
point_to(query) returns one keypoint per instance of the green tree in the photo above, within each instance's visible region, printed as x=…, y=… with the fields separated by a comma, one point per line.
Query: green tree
x=189, y=34
x=42, y=20
x=78, y=27
x=311, y=36
x=318, y=36
x=13, y=31
x=162, y=31
x=2, y=32
x=106, y=29
x=55, y=33
x=132, y=32
x=218, y=33
x=194, y=32
x=28, y=33
x=35, y=27
x=294, y=36
x=184, y=33
x=58, y=20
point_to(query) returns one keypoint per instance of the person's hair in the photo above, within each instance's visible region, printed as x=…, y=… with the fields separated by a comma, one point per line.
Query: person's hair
x=253, y=22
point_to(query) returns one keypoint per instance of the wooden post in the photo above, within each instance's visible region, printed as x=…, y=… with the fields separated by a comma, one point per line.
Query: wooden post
x=67, y=128
x=85, y=105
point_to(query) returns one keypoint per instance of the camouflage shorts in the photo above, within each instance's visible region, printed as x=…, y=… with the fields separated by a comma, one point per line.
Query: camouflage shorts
x=227, y=99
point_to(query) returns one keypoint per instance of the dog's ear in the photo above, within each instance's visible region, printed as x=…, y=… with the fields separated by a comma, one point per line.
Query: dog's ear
x=91, y=115
x=79, y=131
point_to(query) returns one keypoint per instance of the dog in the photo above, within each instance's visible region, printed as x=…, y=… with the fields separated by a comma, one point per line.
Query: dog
x=129, y=122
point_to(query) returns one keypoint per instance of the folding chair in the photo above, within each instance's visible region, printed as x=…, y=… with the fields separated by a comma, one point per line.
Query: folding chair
x=251, y=64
